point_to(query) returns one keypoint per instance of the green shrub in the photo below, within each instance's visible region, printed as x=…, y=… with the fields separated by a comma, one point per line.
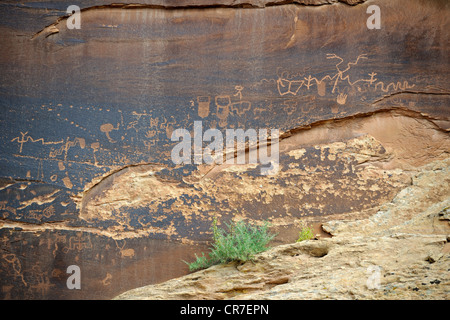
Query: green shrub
x=201, y=262
x=306, y=233
x=239, y=243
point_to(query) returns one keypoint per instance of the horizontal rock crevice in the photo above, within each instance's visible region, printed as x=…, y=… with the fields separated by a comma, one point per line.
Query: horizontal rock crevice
x=257, y=4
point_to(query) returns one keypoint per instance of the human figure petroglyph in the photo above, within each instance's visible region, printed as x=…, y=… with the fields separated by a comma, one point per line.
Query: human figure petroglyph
x=41, y=281
x=340, y=73
x=239, y=91
x=291, y=85
x=24, y=139
x=287, y=86
x=154, y=121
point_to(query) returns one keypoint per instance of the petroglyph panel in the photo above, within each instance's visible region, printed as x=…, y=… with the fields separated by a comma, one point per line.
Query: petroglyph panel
x=34, y=264
x=87, y=116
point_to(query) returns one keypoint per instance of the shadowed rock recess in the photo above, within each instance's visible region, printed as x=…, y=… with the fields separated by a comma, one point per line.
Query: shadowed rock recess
x=87, y=177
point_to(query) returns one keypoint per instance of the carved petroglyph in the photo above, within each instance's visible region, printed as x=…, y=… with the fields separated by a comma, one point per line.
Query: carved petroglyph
x=95, y=146
x=292, y=85
x=78, y=242
x=49, y=211
x=394, y=86
x=290, y=106
x=321, y=88
x=226, y=105
x=67, y=182
x=15, y=265
x=203, y=106
x=340, y=73
x=41, y=281
x=342, y=97
x=24, y=138
x=106, y=128
x=65, y=148
x=223, y=109
x=125, y=253
x=7, y=210
x=107, y=280
x=37, y=214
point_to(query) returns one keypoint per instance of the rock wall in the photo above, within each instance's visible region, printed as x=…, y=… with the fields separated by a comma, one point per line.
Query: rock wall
x=87, y=176
x=401, y=252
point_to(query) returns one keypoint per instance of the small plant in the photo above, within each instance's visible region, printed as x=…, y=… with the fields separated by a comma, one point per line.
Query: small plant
x=306, y=233
x=201, y=262
x=239, y=243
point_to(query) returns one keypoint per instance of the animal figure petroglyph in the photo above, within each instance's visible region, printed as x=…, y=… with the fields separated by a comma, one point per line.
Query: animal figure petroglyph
x=292, y=85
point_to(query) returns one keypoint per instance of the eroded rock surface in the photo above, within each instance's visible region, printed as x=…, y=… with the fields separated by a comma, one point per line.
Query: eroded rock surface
x=87, y=115
x=401, y=252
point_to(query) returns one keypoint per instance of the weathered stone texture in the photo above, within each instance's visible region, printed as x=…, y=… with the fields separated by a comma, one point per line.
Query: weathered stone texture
x=86, y=175
x=401, y=252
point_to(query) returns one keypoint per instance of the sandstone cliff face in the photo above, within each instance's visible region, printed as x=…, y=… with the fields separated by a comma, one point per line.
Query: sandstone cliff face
x=401, y=252
x=87, y=115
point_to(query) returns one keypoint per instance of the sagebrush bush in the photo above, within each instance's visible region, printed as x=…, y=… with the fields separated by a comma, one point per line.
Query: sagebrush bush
x=240, y=242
